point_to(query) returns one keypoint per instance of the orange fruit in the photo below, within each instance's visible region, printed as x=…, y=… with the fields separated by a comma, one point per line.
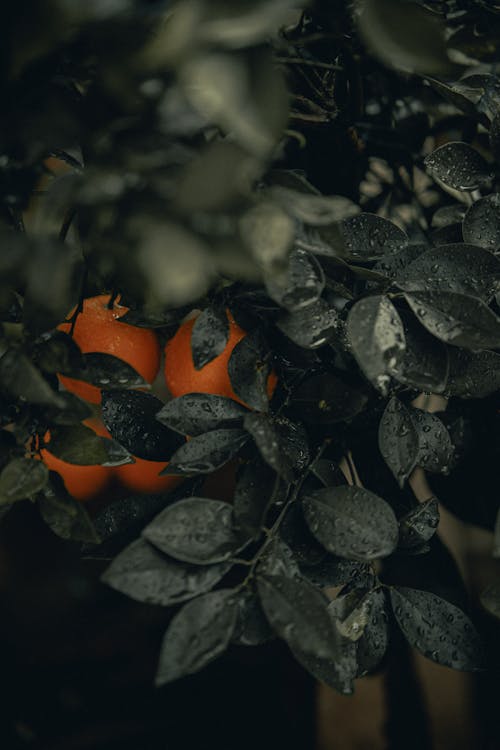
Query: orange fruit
x=181, y=375
x=82, y=482
x=142, y=477
x=97, y=330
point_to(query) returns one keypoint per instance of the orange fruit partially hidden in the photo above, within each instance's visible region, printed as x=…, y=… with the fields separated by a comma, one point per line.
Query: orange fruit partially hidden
x=97, y=330
x=82, y=482
x=181, y=375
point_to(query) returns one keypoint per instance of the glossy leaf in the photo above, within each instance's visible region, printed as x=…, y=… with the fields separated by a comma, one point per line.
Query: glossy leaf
x=207, y=452
x=369, y=236
x=300, y=285
x=419, y=525
x=376, y=335
x=312, y=326
x=196, y=413
x=209, y=336
x=195, y=530
x=248, y=368
x=144, y=574
x=473, y=374
x=458, y=166
x=197, y=635
x=438, y=629
x=351, y=522
x=456, y=319
x=398, y=440
x=282, y=444
x=481, y=224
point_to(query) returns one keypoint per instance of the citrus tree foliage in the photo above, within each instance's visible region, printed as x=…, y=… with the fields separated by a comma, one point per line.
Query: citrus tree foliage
x=275, y=160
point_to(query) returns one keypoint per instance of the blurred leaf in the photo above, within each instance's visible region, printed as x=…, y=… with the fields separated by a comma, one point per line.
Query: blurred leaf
x=405, y=36
x=66, y=516
x=21, y=379
x=490, y=599
x=22, y=478
x=326, y=399
x=252, y=627
x=473, y=374
x=268, y=232
x=314, y=209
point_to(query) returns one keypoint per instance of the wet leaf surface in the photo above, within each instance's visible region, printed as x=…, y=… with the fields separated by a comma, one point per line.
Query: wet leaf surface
x=368, y=236
x=311, y=327
x=398, y=440
x=481, y=224
x=473, y=374
x=456, y=319
x=249, y=368
x=252, y=627
x=458, y=166
x=108, y=372
x=435, y=448
x=297, y=613
x=419, y=524
x=146, y=575
x=424, y=363
x=197, y=635
x=282, y=444
x=195, y=530
x=438, y=629
x=301, y=284
x=207, y=452
x=209, y=336
x=255, y=486
x=130, y=417
x=376, y=335
x=351, y=522
x=460, y=268
x=196, y=413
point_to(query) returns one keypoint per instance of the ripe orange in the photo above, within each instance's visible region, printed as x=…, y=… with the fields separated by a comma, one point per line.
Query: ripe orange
x=142, y=477
x=181, y=375
x=82, y=482
x=97, y=330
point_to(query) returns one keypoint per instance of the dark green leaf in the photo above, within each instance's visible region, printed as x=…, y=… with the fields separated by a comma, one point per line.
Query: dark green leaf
x=298, y=614
x=196, y=413
x=21, y=379
x=398, y=440
x=312, y=326
x=301, y=284
x=456, y=319
x=282, y=444
x=481, y=224
x=369, y=236
x=438, y=629
x=22, y=478
x=473, y=374
x=130, y=416
x=458, y=166
x=144, y=574
x=249, y=369
x=255, y=486
x=377, y=338
x=209, y=336
x=490, y=599
x=424, y=363
x=66, y=516
x=460, y=268
x=419, y=524
x=435, y=448
x=207, y=452
x=108, y=372
x=197, y=635
x=351, y=522
x=252, y=628
x=195, y=530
